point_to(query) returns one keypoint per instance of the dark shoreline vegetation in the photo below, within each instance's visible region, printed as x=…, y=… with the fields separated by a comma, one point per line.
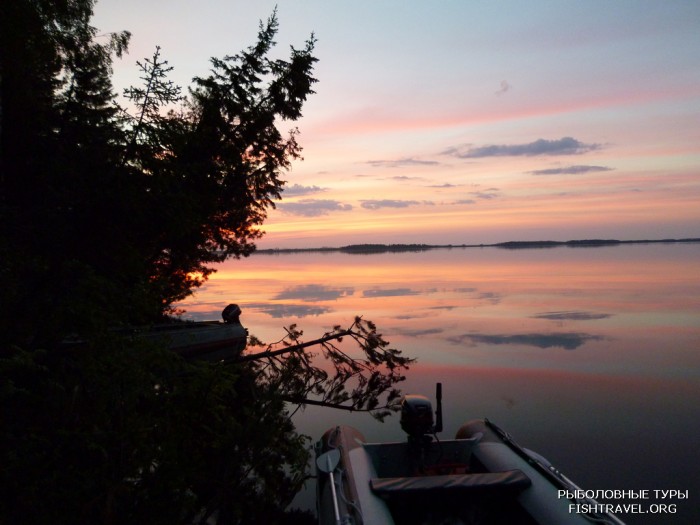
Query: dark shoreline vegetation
x=111, y=215
x=510, y=245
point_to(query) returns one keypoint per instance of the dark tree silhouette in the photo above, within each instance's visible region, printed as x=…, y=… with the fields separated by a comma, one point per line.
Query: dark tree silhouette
x=108, y=217
x=133, y=208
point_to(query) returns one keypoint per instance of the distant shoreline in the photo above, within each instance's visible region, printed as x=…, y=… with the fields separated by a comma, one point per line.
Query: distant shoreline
x=510, y=245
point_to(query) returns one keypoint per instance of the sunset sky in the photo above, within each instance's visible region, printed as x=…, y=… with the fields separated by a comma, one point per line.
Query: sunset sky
x=453, y=122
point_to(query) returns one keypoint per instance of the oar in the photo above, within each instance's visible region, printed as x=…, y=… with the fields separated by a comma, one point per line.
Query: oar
x=327, y=462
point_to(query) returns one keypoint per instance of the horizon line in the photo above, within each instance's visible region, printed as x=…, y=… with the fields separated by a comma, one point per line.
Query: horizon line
x=383, y=247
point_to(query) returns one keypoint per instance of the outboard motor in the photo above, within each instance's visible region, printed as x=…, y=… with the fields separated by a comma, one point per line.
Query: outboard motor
x=416, y=416
x=417, y=421
x=231, y=314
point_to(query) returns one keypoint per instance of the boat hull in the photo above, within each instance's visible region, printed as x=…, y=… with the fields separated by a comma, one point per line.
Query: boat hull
x=209, y=341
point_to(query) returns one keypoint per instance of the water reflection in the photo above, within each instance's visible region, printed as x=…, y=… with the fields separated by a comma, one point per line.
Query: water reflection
x=633, y=309
x=395, y=292
x=572, y=316
x=567, y=341
x=314, y=293
x=288, y=311
x=588, y=356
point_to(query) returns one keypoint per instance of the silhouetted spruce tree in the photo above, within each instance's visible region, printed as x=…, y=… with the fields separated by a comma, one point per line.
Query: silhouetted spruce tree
x=216, y=167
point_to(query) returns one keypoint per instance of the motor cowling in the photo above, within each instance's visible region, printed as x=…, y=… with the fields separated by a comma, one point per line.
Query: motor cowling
x=416, y=415
x=231, y=314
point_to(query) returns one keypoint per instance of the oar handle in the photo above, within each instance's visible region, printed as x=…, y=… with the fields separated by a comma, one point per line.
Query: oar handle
x=335, y=496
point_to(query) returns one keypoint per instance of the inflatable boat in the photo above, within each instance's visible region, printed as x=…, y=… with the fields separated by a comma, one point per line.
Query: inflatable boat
x=480, y=477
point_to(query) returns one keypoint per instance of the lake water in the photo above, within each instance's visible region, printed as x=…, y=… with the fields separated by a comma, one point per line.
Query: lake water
x=590, y=356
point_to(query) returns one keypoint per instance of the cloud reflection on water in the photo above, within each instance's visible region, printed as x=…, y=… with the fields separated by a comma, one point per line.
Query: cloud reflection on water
x=314, y=292
x=395, y=292
x=285, y=311
x=418, y=332
x=572, y=316
x=565, y=340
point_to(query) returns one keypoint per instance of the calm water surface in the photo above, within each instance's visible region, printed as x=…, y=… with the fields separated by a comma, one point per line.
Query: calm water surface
x=591, y=356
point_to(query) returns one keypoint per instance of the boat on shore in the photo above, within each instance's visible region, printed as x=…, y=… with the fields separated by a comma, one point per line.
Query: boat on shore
x=205, y=340
x=202, y=340
x=480, y=477
x=192, y=340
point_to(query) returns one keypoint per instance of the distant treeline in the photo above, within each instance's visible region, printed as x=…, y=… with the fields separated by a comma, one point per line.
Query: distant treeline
x=510, y=245
x=583, y=243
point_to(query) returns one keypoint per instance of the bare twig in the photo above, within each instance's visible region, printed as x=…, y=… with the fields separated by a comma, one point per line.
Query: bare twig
x=294, y=348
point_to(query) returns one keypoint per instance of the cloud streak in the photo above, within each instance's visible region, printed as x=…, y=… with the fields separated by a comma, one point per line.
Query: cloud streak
x=376, y=204
x=572, y=316
x=405, y=178
x=562, y=146
x=488, y=194
x=505, y=87
x=401, y=163
x=313, y=207
x=446, y=185
x=571, y=170
x=297, y=190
